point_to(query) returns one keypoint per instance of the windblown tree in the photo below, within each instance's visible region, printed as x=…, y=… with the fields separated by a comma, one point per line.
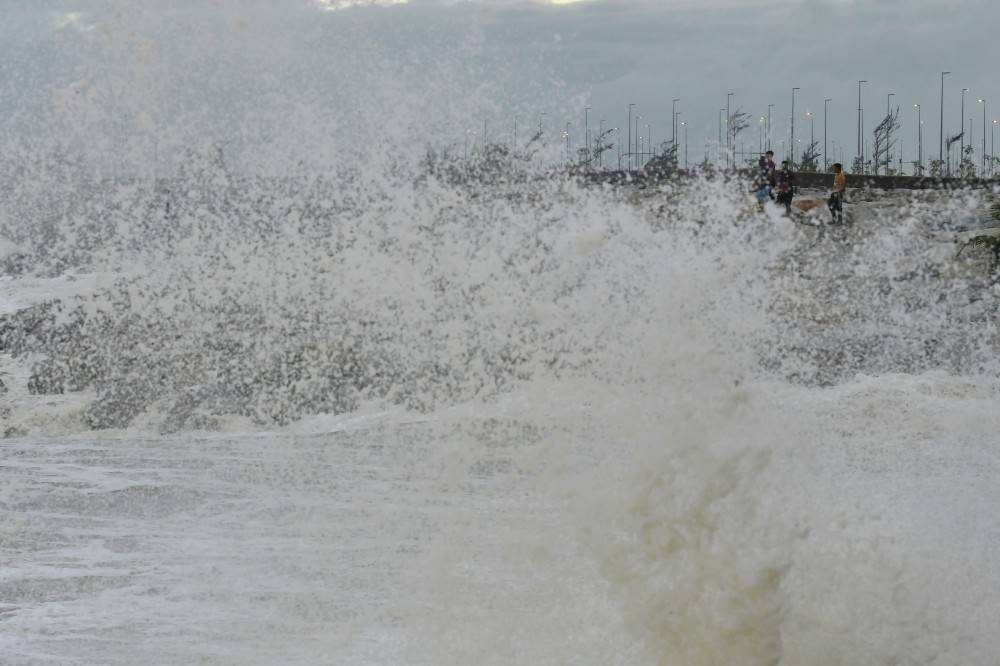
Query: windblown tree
x=665, y=161
x=949, y=142
x=884, y=141
x=810, y=158
x=589, y=157
x=967, y=167
x=738, y=121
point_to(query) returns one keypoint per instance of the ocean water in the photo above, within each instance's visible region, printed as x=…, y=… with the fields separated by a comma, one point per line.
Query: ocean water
x=265, y=411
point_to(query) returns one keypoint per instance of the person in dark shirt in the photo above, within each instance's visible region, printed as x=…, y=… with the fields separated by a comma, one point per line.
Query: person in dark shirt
x=836, y=202
x=770, y=171
x=785, y=186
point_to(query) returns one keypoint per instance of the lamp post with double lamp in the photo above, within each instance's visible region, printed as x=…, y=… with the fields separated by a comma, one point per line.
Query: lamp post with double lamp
x=793, y=126
x=920, y=142
x=826, y=112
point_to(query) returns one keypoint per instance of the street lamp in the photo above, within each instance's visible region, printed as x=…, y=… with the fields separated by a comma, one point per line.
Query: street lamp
x=983, y=102
x=673, y=122
x=638, y=143
x=888, y=133
x=961, y=129
x=629, y=153
x=826, y=103
x=721, y=111
x=684, y=123
x=767, y=144
x=793, y=126
x=941, y=131
x=860, y=147
x=920, y=142
x=729, y=129
x=993, y=145
x=760, y=135
x=600, y=138
x=586, y=135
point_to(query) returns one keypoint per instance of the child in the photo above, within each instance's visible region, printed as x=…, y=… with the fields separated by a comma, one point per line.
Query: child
x=786, y=186
x=761, y=184
x=836, y=202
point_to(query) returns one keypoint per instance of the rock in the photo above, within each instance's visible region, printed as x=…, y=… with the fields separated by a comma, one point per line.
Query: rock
x=808, y=203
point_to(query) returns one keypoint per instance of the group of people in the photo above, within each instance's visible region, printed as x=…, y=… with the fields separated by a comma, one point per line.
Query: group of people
x=779, y=185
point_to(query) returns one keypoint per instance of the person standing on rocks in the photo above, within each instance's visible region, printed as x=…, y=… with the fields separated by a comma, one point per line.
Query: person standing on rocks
x=762, y=182
x=786, y=186
x=769, y=165
x=836, y=202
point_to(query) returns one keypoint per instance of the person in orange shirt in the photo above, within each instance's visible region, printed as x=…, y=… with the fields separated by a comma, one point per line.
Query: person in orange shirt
x=836, y=202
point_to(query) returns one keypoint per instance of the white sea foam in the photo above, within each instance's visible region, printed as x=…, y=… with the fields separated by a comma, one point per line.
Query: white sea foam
x=408, y=414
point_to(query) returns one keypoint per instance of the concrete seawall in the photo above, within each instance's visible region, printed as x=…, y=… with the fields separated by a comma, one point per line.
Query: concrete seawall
x=810, y=180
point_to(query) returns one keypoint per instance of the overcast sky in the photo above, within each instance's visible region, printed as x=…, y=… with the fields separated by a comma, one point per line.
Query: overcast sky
x=395, y=70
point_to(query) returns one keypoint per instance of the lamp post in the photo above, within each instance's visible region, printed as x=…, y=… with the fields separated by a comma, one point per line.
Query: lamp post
x=566, y=136
x=941, y=130
x=793, y=126
x=684, y=123
x=983, y=102
x=586, y=135
x=920, y=142
x=993, y=145
x=767, y=144
x=961, y=128
x=826, y=103
x=649, y=139
x=729, y=129
x=861, y=157
x=638, y=146
x=600, y=137
x=629, y=152
x=888, y=132
x=673, y=122
x=721, y=111
x=760, y=135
